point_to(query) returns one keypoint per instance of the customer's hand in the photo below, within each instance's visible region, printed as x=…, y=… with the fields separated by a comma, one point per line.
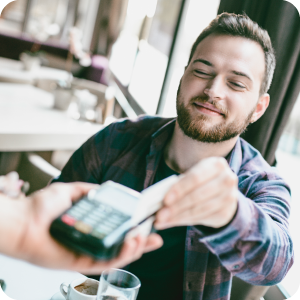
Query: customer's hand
x=205, y=195
x=38, y=247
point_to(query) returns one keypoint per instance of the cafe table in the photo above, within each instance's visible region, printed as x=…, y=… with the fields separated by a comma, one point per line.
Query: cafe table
x=28, y=122
x=25, y=281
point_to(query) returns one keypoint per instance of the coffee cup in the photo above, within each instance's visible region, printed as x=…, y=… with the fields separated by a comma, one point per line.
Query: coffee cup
x=70, y=293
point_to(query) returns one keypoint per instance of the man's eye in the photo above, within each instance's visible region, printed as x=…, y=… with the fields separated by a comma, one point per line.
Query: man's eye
x=202, y=73
x=236, y=85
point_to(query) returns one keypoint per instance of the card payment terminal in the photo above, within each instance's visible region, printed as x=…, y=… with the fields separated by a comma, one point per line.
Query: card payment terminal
x=97, y=224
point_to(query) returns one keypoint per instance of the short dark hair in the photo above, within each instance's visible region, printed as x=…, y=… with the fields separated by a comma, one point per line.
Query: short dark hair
x=242, y=26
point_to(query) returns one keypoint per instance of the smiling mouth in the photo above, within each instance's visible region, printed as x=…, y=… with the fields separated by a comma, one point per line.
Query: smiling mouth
x=208, y=109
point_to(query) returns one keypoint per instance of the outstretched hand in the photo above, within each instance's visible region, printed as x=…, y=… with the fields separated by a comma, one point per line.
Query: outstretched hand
x=37, y=246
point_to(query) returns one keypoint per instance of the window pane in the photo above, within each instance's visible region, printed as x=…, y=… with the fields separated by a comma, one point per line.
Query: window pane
x=147, y=78
x=152, y=59
x=123, y=56
x=288, y=164
x=163, y=25
x=140, y=55
x=125, y=49
x=198, y=16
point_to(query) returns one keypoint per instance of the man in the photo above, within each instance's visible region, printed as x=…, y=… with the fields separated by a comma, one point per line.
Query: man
x=227, y=215
x=25, y=223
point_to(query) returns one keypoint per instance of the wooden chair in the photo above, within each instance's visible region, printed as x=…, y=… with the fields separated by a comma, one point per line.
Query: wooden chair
x=37, y=171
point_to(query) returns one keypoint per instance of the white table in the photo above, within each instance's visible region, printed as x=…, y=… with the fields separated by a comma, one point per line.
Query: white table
x=29, y=123
x=28, y=282
x=13, y=71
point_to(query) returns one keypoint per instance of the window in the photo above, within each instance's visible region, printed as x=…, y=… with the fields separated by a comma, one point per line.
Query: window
x=288, y=164
x=143, y=59
x=140, y=56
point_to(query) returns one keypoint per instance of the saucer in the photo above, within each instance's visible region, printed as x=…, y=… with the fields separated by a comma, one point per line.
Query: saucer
x=58, y=296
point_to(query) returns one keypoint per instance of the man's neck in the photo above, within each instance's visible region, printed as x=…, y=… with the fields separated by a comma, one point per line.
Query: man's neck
x=182, y=152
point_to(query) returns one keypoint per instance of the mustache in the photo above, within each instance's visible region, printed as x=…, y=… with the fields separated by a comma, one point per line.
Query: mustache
x=216, y=104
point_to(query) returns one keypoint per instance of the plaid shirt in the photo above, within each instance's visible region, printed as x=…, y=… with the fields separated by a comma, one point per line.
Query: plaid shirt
x=255, y=246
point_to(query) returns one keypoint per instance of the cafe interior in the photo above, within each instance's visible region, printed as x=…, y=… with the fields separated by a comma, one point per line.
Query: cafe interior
x=68, y=68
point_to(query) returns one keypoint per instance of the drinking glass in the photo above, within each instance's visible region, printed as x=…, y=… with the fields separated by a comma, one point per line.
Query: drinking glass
x=116, y=284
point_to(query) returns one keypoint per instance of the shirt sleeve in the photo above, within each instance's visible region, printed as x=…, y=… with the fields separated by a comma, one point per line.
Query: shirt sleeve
x=86, y=163
x=256, y=245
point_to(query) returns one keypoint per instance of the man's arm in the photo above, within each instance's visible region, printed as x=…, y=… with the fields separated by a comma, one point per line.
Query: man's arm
x=255, y=246
x=249, y=236
x=25, y=224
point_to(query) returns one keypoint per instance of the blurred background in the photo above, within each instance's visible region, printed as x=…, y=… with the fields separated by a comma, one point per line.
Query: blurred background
x=70, y=67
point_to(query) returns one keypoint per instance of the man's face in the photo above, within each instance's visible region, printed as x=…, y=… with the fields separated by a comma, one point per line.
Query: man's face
x=219, y=92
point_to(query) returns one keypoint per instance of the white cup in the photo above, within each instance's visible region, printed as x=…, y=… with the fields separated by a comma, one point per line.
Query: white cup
x=70, y=293
x=62, y=98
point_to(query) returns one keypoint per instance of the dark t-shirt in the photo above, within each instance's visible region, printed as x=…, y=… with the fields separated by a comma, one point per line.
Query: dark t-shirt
x=161, y=271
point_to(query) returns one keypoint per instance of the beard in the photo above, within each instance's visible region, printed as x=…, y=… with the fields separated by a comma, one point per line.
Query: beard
x=197, y=127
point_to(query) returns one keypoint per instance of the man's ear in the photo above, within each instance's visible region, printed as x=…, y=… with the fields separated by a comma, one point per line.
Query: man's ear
x=261, y=106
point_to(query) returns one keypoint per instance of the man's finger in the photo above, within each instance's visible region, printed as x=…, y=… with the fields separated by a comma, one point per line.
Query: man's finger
x=58, y=197
x=196, y=198
x=201, y=173
x=195, y=214
x=198, y=213
x=75, y=190
x=199, y=196
x=154, y=241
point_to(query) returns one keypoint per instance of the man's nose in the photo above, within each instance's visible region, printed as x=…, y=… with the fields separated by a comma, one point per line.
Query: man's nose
x=215, y=88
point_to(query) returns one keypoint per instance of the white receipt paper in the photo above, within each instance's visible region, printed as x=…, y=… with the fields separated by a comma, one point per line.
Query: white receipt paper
x=150, y=201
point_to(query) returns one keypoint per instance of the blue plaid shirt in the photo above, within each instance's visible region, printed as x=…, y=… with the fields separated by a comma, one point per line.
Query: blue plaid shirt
x=256, y=246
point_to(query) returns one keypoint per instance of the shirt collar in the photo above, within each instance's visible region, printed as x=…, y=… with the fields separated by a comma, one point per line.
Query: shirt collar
x=234, y=158
x=162, y=135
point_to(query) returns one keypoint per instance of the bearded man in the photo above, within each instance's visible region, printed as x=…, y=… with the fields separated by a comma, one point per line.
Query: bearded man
x=227, y=216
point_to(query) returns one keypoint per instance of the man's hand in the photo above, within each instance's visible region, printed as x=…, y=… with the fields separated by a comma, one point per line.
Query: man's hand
x=37, y=245
x=205, y=195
